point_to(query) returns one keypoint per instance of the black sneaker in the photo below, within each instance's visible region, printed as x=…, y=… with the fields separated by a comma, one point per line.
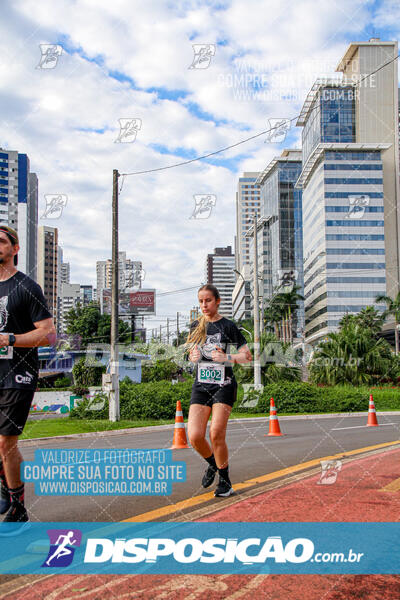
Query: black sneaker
x=224, y=489
x=5, y=500
x=208, y=477
x=15, y=521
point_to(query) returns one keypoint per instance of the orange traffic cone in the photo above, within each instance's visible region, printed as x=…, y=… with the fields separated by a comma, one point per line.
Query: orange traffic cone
x=372, y=420
x=180, y=439
x=274, y=428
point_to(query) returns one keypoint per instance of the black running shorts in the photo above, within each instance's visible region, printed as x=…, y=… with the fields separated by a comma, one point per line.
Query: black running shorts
x=208, y=394
x=14, y=410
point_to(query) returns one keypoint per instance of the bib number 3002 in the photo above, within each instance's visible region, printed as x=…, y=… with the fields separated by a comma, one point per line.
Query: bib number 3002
x=6, y=352
x=209, y=372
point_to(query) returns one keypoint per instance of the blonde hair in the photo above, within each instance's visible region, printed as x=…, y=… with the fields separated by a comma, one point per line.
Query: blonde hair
x=198, y=335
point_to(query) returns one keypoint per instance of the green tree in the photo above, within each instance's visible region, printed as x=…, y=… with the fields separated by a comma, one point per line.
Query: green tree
x=104, y=330
x=83, y=320
x=371, y=318
x=281, y=309
x=91, y=325
x=392, y=310
x=353, y=355
x=86, y=375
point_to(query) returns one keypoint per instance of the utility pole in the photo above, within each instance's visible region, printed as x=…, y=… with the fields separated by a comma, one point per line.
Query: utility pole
x=160, y=333
x=113, y=411
x=133, y=327
x=177, y=329
x=256, y=307
x=167, y=330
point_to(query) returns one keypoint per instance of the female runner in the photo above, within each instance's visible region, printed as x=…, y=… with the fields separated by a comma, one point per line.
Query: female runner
x=215, y=386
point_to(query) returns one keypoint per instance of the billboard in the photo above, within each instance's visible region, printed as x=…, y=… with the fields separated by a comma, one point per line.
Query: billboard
x=137, y=302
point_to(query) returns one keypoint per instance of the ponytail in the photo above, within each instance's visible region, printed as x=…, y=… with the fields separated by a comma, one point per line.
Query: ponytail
x=199, y=333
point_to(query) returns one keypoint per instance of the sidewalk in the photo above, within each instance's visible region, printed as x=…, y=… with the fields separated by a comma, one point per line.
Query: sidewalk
x=366, y=489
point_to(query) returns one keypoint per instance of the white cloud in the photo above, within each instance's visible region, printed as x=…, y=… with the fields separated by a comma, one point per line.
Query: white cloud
x=53, y=115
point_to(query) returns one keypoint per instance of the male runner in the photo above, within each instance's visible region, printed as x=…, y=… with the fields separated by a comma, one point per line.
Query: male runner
x=25, y=323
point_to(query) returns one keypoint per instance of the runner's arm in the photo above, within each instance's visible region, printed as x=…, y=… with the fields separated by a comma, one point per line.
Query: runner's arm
x=44, y=334
x=242, y=356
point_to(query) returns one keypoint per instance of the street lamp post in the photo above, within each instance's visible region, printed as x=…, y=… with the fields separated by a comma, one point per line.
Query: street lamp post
x=256, y=309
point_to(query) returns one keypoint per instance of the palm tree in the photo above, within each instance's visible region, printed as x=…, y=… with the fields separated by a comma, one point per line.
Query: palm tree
x=352, y=356
x=372, y=318
x=273, y=315
x=286, y=303
x=393, y=309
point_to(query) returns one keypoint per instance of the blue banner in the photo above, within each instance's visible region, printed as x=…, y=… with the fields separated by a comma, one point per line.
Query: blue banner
x=200, y=548
x=103, y=472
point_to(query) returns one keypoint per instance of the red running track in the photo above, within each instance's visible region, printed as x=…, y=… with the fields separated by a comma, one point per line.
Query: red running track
x=355, y=496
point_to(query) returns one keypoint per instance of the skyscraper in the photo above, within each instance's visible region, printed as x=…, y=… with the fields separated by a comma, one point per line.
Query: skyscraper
x=69, y=298
x=19, y=205
x=47, y=267
x=279, y=232
x=247, y=204
x=220, y=272
x=129, y=274
x=350, y=187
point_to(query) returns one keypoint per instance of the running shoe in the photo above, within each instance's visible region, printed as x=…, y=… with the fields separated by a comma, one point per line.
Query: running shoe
x=224, y=489
x=15, y=521
x=5, y=500
x=208, y=477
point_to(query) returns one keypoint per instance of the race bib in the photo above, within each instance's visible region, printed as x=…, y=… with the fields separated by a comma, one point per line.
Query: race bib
x=6, y=352
x=210, y=372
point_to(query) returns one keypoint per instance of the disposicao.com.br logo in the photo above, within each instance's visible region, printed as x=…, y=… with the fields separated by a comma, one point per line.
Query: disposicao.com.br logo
x=62, y=547
x=212, y=550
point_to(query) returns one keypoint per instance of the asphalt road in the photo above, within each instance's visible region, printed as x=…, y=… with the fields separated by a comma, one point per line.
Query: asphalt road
x=252, y=454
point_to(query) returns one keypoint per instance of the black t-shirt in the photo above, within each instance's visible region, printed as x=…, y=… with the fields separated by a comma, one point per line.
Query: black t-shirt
x=21, y=304
x=223, y=333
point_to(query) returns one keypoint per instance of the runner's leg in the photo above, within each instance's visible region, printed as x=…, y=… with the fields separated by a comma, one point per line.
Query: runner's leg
x=219, y=421
x=12, y=459
x=197, y=426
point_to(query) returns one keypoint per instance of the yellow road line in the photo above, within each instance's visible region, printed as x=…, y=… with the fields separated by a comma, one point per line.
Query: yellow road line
x=195, y=500
x=393, y=486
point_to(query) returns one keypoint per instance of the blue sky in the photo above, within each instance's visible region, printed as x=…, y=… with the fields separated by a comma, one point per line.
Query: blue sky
x=127, y=60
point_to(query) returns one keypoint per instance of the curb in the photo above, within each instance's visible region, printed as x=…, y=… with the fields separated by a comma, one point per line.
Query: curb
x=133, y=430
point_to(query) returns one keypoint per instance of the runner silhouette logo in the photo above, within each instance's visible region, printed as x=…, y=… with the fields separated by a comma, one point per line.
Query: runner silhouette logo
x=62, y=547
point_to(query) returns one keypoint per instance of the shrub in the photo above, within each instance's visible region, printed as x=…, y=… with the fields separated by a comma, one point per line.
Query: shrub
x=165, y=370
x=302, y=397
x=62, y=382
x=86, y=375
x=155, y=400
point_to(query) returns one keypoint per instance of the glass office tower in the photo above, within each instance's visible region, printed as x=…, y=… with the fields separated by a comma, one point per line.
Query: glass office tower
x=279, y=236
x=343, y=212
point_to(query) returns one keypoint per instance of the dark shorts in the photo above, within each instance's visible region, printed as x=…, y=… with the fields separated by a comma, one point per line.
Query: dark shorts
x=14, y=410
x=208, y=394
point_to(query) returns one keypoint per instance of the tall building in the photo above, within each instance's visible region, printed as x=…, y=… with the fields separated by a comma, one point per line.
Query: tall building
x=19, y=205
x=32, y=226
x=70, y=296
x=129, y=273
x=279, y=231
x=241, y=296
x=63, y=270
x=350, y=181
x=220, y=272
x=47, y=266
x=86, y=294
x=247, y=204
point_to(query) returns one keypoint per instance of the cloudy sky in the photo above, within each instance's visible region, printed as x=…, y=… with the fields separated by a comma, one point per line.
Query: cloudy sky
x=130, y=60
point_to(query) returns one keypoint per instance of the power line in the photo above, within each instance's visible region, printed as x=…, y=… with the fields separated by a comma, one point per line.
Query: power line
x=194, y=287
x=186, y=162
